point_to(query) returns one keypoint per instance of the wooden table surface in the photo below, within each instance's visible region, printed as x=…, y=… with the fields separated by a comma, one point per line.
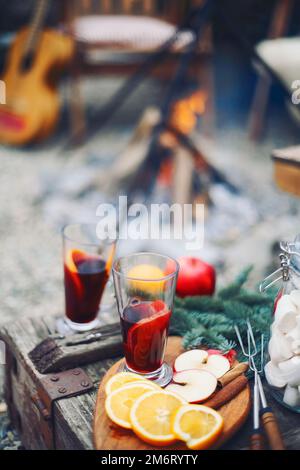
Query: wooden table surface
x=84, y=406
x=74, y=416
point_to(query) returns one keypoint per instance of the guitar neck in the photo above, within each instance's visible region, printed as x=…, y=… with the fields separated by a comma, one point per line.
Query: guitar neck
x=35, y=26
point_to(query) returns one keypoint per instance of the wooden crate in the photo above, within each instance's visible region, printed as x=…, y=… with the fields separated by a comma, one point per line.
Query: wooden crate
x=71, y=418
x=287, y=169
x=66, y=423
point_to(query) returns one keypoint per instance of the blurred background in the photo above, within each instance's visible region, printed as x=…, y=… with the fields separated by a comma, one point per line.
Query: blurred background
x=165, y=101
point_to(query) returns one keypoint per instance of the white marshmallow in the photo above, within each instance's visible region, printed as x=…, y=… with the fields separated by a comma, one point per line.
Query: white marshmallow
x=279, y=346
x=291, y=396
x=296, y=346
x=290, y=371
x=274, y=375
x=295, y=332
x=287, y=322
x=295, y=298
x=284, y=305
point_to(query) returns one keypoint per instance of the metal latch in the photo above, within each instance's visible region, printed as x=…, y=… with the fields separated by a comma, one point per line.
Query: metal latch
x=53, y=387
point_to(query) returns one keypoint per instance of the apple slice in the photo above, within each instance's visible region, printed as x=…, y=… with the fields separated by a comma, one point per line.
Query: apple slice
x=200, y=359
x=193, y=359
x=193, y=385
x=217, y=365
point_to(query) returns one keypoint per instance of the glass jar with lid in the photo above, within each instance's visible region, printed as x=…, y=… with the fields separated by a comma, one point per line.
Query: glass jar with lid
x=282, y=369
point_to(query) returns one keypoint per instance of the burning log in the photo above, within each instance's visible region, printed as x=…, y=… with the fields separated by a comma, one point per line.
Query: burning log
x=154, y=143
x=127, y=164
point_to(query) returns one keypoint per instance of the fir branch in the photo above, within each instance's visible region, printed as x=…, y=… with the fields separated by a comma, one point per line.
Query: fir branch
x=253, y=299
x=202, y=303
x=201, y=336
x=209, y=321
x=181, y=322
x=237, y=310
x=234, y=289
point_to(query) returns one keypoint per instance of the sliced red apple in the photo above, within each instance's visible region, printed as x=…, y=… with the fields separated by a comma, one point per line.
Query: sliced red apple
x=217, y=365
x=230, y=355
x=200, y=359
x=193, y=359
x=194, y=385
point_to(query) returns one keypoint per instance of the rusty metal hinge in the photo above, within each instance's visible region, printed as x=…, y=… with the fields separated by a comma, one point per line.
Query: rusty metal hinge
x=53, y=387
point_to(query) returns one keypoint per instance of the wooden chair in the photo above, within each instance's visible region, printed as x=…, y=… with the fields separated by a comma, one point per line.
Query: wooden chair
x=278, y=28
x=113, y=36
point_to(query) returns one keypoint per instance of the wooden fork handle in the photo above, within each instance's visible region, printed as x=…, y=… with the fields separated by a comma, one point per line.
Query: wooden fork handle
x=256, y=441
x=272, y=430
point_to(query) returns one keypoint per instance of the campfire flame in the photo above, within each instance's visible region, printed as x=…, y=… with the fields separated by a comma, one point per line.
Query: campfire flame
x=183, y=118
x=186, y=111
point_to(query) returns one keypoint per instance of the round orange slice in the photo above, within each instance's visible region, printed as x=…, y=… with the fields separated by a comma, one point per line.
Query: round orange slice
x=197, y=425
x=151, y=417
x=118, y=403
x=73, y=256
x=146, y=278
x=124, y=378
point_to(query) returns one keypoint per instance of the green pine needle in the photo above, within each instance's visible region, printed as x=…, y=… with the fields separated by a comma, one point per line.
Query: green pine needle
x=209, y=321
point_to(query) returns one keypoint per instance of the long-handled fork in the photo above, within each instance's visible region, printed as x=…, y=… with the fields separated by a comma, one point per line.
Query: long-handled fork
x=268, y=418
x=256, y=438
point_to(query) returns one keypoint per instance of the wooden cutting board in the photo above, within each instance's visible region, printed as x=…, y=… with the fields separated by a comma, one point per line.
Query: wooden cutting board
x=108, y=436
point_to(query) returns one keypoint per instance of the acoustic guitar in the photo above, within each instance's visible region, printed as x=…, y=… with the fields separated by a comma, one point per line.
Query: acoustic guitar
x=32, y=104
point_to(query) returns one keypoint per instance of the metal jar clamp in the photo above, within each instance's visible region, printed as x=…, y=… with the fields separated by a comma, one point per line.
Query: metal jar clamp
x=288, y=250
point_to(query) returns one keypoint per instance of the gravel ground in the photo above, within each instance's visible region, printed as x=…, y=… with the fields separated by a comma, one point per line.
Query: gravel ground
x=39, y=193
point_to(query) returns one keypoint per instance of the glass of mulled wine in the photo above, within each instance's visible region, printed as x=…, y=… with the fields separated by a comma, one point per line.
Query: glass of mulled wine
x=87, y=266
x=145, y=287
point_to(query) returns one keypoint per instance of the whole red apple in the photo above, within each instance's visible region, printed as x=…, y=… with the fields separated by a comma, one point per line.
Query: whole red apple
x=195, y=277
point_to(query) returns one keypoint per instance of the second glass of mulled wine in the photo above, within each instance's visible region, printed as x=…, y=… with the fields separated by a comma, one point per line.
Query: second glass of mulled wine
x=145, y=287
x=87, y=266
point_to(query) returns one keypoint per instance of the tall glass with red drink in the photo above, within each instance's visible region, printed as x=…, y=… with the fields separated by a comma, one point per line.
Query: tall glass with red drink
x=87, y=266
x=145, y=286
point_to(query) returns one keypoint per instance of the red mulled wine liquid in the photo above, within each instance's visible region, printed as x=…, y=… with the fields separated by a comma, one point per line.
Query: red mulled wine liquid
x=145, y=331
x=85, y=279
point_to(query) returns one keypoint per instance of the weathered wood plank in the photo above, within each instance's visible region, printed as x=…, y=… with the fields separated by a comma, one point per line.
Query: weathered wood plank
x=56, y=354
x=73, y=416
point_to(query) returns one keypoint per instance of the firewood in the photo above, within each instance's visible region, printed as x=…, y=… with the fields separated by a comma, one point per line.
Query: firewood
x=128, y=162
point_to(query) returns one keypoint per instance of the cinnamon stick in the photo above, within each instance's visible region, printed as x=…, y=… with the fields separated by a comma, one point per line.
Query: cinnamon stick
x=227, y=393
x=233, y=373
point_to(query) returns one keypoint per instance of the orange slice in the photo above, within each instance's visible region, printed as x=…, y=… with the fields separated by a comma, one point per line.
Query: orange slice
x=119, y=402
x=197, y=425
x=124, y=378
x=146, y=278
x=110, y=258
x=72, y=256
x=151, y=417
